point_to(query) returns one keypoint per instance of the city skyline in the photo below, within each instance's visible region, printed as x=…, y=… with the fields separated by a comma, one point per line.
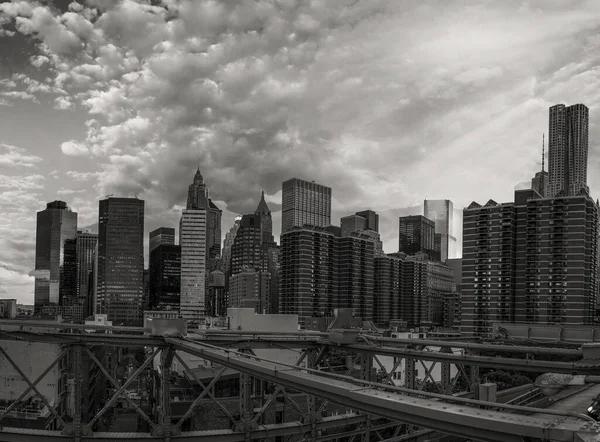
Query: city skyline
x=385, y=166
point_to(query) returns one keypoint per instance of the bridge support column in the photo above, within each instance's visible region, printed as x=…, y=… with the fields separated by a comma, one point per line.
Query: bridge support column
x=409, y=373
x=78, y=379
x=246, y=404
x=166, y=362
x=474, y=380
x=367, y=375
x=446, y=377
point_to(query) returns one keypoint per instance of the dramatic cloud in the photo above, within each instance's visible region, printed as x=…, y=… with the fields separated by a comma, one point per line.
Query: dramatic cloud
x=387, y=102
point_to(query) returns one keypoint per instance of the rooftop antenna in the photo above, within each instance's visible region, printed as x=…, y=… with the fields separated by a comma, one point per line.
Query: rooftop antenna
x=543, y=149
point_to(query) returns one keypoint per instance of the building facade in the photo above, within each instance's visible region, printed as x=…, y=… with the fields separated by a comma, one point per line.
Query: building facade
x=162, y=235
x=87, y=250
x=120, y=291
x=568, y=149
x=417, y=234
x=531, y=261
x=250, y=289
x=305, y=203
x=355, y=256
x=322, y=271
x=228, y=244
x=55, y=225
x=164, y=277
x=247, y=250
x=192, y=239
x=441, y=212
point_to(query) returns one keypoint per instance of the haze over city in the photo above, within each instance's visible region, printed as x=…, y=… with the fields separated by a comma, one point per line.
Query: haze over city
x=386, y=102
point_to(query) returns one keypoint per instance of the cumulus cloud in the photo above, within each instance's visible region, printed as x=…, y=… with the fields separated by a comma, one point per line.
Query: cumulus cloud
x=81, y=176
x=63, y=103
x=74, y=148
x=14, y=156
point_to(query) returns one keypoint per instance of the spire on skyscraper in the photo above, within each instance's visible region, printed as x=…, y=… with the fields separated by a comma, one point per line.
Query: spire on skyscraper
x=198, y=178
x=262, y=207
x=543, y=150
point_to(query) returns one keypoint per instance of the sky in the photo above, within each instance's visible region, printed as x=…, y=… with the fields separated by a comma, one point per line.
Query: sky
x=388, y=102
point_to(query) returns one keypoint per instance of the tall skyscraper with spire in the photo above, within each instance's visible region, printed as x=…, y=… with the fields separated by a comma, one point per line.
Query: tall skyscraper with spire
x=568, y=149
x=266, y=222
x=539, y=182
x=200, y=234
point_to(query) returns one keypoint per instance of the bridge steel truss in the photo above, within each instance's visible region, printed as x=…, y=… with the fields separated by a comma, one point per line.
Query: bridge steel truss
x=373, y=406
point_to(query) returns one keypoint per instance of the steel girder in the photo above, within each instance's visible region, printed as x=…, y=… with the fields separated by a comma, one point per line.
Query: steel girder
x=263, y=431
x=459, y=420
x=531, y=365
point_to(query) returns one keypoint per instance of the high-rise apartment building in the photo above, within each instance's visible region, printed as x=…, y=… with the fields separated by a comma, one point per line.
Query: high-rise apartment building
x=568, y=149
x=164, y=277
x=441, y=212
x=162, y=235
x=321, y=271
x=531, y=261
x=192, y=239
x=413, y=289
x=417, y=234
x=309, y=284
x=87, y=250
x=55, y=225
x=305, y=203
x=355, y=256
x=120, y=291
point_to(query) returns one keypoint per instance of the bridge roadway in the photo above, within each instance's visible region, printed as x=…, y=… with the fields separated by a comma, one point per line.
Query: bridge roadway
x=577, y=402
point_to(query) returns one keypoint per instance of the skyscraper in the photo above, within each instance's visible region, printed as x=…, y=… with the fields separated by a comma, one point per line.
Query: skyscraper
x=417, y=234
x=247, y=250
x=365, y=222
x=164, y=277
x=305, y=202
x=87, y=249
x=441, y=212
x=121, y=260
x=371, y=218
x=322, y=271
x=352, y=223
x=198, y=199
x=531, y=261
x=228, y=244
x=56, y=224
x=192, y=238
x=266, y=222
x=162, y=235
x=250, y=289
x=568, y=149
